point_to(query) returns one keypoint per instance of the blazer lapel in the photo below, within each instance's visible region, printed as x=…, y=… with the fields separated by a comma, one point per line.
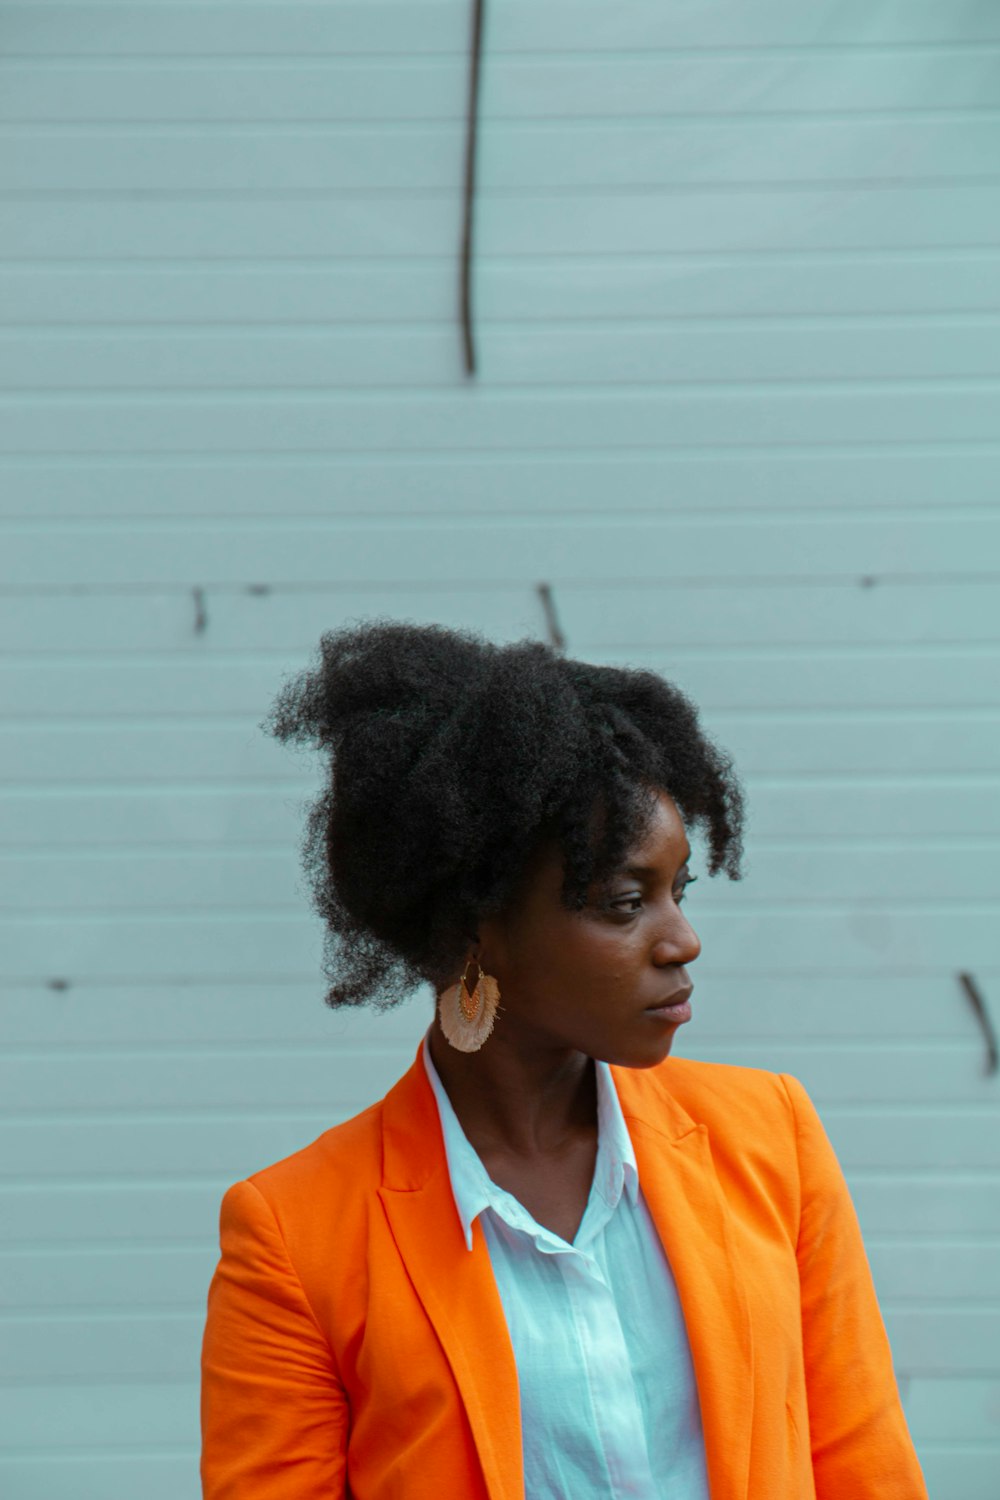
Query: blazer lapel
x=456, y=1286
x=684, y=1197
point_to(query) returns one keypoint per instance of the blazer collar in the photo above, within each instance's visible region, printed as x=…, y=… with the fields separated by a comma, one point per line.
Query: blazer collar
x=459, y=1295
x=695, y=1225
x=457, y=1289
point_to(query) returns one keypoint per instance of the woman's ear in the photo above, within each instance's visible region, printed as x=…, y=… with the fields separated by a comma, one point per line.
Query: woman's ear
x=490, y=947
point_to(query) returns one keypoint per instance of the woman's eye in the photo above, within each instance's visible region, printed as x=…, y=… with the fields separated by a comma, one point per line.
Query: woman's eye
x=632, y=903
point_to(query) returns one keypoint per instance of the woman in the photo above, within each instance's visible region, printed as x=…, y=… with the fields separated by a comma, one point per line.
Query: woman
x=553, y=1261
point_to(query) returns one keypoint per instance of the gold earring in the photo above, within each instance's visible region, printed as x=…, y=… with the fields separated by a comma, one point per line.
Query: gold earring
x=467, y=1016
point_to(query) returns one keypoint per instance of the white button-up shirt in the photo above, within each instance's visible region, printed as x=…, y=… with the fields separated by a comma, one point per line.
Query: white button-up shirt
x=609, y=1405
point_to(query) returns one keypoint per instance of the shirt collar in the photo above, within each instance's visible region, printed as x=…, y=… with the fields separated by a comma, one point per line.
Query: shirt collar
x=473, y=1189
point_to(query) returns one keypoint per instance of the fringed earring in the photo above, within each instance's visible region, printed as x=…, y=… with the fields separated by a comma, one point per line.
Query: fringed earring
x=467, y=1016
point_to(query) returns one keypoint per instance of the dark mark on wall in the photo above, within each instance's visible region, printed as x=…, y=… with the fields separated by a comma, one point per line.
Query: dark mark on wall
x=978, y=1003
x=556, y=636
x=59, y=984
x=200, y=611
x=469, y=189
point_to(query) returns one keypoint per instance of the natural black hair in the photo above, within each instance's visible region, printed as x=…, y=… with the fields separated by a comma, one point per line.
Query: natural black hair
x=451, y=761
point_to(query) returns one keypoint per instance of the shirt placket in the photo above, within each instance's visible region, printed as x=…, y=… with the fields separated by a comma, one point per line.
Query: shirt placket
x=604, y=1357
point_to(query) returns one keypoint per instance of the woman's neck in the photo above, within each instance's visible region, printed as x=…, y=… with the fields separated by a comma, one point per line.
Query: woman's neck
x=517, y=1096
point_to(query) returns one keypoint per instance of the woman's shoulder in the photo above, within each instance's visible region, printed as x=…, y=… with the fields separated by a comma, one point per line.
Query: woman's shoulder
x=734, y=1103
x=348, y=1152
x=765, y=1138
x=712, y=1086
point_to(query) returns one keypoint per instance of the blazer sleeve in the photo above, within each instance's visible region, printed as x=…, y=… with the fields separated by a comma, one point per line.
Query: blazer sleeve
x=860, y=1442
x=274, y=1414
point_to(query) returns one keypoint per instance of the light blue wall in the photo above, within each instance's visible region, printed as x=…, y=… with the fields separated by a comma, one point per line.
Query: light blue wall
x=738, y=313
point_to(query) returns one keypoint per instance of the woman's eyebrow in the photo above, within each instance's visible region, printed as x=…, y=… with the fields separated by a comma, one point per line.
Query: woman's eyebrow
x=642, y=872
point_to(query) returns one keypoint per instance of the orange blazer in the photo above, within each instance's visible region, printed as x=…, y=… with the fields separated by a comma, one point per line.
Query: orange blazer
x=355, y=1348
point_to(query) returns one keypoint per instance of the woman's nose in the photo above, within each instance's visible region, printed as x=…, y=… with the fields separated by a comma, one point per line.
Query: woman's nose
x=679, y=943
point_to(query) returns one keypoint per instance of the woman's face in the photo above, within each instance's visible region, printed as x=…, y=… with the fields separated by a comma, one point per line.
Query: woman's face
x=610, y=980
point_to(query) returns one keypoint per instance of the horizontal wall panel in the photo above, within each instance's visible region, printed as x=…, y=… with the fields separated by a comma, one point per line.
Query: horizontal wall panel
x=319, y=359
x=581, y=286
x=255, y=159
x=82, y=1417
x=615, y=86
x=249, y=292
x=147, y=1148
x=90, y=1214
x=947, y=1271
x=677, y=154
x=620, y=86
x=946, y=1341
x=874, y=680
x=283, y=1077
x=874, y=1072
x=841, y=744
x=756, y=478
x=214, y=227
x=237, y=1012
x=513, y=155
x=839, y=808
x=906, y=744
x=912, y=1138
x=957, y=1408
x=832, y=217
x=144, y=1150
x=863, y=809
x=109, y=1276
x=265, y=879
x=925, y=1205
x=925, y=1075
x=866, y=610
x=742, y=1005
x=112, y=30
x=123, y=691
x=128, y=879
x=642, y=24
x=283, y=91
x=521, y=421
x=389, y=549
x=216, y=1079
x=719, y=681
x=126, y=1346
x=960, y=1469
x=214, y=816
x=115, y=1474
x=862, y=611
x=259, y=618
x=114, y=753
x=442, y=26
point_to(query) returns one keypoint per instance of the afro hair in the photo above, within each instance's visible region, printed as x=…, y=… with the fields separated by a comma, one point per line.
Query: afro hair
x=450, y=761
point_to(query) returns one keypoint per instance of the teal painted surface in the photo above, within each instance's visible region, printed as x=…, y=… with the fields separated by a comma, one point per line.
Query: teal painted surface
x=738, y=302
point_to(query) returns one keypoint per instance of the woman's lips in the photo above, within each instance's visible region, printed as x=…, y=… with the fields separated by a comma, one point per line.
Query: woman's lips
x=676, y=1010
